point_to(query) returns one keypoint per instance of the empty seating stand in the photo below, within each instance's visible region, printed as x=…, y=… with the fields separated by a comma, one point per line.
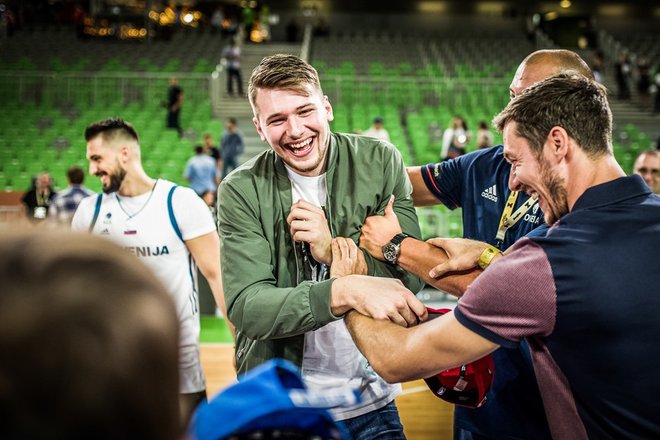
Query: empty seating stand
x=53, y=85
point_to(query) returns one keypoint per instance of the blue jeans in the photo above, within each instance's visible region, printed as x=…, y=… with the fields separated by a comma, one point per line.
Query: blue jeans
x=228, y=164
x=381, y=424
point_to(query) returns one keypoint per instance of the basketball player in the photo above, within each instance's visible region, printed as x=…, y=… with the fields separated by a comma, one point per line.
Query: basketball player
x=166, y=226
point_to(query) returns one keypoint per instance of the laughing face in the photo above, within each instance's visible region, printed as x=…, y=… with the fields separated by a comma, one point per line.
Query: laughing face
x=296, y=127
x=104, y=164
x=534, y=176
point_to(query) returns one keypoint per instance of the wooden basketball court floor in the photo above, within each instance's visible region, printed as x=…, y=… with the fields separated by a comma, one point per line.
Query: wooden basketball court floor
x=424, y=416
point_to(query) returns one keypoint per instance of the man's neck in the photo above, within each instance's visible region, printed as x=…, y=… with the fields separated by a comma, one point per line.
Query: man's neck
x=136, y=184
x=594, y=172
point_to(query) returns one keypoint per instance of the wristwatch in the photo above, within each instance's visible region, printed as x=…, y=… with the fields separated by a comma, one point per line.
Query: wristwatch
x=392, y=249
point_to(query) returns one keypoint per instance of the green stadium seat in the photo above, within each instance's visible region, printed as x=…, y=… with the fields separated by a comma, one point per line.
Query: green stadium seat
x=19, y=182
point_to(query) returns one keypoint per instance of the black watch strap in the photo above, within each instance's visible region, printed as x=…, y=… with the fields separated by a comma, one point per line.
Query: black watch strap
x=392, y=249
x=398, y=238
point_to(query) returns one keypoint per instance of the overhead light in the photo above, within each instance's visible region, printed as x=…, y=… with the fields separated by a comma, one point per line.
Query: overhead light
x=433, y=7
x=491, y=7
x=565, y=4
x=549, y=16
x=582, y=42
x=612, y=10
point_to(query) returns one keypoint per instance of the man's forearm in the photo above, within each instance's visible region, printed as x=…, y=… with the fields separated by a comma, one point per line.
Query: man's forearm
x=378, y=341
x=419, y=257
x=215, y=285
x=399, y=354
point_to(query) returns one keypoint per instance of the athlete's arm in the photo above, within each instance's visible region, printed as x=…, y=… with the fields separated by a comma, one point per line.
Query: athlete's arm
x=400, y=354
x=421, y=194
x=417, y=257
x=205, y=249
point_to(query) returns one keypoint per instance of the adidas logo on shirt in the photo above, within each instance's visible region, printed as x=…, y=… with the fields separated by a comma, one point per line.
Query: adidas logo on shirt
x=490, y=193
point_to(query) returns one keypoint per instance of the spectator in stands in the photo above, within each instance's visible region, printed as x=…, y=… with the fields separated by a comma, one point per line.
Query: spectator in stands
x=247, y=16
x=8, y=21
x=88, y=342
x=217, y=20
x=622, y=71
x=484, y=136
x=263, y=22
x=78, y=17
x=37, y=200
x=598, y=66
x=211, y=149
x=588, y=316
x=481, y=183
x=174, y=103
x=377, y=130
x=277, y=215
x=643, y=77
x=292, y=31
x=202, y=173
x=66, y=202
x=231, y=57
x=455, y=138
x=647, y=165
x=656, y=88
x=321, y=27
x=232, y=146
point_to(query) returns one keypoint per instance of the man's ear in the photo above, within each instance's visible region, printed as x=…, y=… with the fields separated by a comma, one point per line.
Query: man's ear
x=328, y=108
x=125, y=154
x=255, y=121
x=559, y=143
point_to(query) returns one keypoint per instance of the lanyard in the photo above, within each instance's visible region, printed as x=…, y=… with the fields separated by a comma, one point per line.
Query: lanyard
x=508, y=219
x=42, y=198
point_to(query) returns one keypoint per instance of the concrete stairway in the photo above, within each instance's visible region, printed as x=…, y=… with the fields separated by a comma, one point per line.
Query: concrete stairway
x=637, y=110
x=239, y=106
x=633, y=111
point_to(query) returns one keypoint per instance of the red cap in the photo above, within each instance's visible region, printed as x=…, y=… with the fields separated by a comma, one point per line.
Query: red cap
x=466, y=385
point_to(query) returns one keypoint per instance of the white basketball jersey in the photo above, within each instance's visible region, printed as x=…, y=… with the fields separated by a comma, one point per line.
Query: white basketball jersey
x=147, y=227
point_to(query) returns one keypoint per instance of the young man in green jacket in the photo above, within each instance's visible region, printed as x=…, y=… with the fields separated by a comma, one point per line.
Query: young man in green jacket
x=277, y=216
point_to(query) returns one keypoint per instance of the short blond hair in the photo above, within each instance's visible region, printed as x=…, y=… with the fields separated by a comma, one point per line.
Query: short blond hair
x=284, y=72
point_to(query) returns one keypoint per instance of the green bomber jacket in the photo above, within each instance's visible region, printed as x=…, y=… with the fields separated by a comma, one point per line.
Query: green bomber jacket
x=268, y=300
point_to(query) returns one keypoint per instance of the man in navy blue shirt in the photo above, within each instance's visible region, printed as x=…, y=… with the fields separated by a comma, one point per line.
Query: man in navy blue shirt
x=231, y=146
x=579, y=295
x=478, y=182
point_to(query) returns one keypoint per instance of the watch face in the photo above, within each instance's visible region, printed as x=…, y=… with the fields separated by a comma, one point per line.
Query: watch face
x=389, y=252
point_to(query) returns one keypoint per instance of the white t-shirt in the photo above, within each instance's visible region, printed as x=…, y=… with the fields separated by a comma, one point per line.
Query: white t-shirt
x=142, y=225
x=378, y=133
x=330, y=358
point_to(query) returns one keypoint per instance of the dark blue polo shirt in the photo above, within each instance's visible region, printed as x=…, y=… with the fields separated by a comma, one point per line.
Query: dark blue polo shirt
x=592, y=323
x=478, y=182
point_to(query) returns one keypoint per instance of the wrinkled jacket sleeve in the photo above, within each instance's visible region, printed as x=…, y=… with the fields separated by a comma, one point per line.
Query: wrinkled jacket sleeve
x=397, y=182
x=256, y=305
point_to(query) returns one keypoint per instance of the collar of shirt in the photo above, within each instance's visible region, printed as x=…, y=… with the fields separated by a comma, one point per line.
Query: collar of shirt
x=611, y=192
